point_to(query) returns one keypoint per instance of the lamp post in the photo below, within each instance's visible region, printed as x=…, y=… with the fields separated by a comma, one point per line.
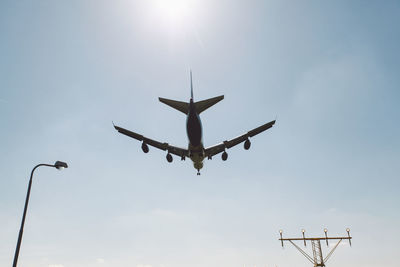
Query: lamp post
x=58, y=165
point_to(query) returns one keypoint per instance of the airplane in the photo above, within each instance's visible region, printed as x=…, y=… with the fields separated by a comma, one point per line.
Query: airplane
x=196, y=150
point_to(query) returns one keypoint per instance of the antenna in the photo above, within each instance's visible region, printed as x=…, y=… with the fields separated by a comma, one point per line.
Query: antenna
x=348, y=234
x=326, y=236
x=317, y=259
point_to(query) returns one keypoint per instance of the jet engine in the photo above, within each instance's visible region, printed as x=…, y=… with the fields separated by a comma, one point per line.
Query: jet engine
x=247, y=144
x=224, y=156
x=145, y=147
x=169, y=158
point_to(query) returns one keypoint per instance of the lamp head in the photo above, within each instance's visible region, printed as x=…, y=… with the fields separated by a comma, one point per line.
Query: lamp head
x=348, y=230
x=303, y=231
x=60, y=165
x=325, y=230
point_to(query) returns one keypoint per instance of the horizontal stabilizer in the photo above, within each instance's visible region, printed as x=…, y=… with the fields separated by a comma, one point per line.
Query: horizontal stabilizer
x=205, y=104
x=178, y=105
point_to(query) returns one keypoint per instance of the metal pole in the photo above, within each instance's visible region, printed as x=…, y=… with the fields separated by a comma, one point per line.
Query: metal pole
x=21, y=230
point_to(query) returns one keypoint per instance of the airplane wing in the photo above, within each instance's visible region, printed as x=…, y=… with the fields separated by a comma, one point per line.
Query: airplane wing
x=181, y=152
x=213, y=150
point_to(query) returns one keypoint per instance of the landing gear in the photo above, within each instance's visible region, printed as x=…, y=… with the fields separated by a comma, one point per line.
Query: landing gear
x=198, y=165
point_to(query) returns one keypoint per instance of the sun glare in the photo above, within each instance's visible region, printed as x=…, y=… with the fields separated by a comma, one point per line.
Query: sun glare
x=173, y=9
x=173, y=14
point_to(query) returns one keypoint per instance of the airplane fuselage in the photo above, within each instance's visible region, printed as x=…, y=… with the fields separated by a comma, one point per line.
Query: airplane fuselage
x=195, y=135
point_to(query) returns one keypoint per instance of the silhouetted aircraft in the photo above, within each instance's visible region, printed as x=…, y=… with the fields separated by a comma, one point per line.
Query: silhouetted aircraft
x=196, y=150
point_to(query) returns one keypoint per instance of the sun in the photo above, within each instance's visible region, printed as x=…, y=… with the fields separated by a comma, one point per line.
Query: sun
x=175, y=15
x=173, y=10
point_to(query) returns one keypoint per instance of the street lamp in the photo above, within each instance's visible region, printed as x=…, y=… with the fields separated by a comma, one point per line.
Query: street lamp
x=58, y=165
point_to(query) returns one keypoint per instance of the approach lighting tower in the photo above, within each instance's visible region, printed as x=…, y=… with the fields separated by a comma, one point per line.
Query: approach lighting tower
x=317, y=259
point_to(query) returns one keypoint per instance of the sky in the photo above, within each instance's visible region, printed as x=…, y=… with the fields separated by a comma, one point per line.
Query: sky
x=328, y=71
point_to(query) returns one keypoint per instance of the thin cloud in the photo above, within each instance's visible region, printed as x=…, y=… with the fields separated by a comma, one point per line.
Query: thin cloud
x=100, y=260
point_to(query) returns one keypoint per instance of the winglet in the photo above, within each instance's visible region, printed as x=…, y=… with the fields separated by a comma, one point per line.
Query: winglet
x=191, y=85
x=115, y=127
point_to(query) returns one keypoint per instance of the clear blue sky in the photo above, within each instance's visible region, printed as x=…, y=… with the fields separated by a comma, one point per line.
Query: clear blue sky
x=329, y=71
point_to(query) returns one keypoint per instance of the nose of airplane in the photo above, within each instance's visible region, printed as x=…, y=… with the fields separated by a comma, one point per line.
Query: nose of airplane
x=198, y=165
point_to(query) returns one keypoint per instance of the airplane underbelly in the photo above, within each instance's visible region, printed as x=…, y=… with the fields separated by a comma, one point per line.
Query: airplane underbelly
x=197, y=159
x=194, y=130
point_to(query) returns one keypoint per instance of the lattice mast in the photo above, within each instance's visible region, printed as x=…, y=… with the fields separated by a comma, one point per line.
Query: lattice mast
x=317, y=258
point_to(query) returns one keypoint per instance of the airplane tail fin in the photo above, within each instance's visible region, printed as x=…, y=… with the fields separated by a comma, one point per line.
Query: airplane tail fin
x=191, y=85
x=184, y=107
x=205, y=104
